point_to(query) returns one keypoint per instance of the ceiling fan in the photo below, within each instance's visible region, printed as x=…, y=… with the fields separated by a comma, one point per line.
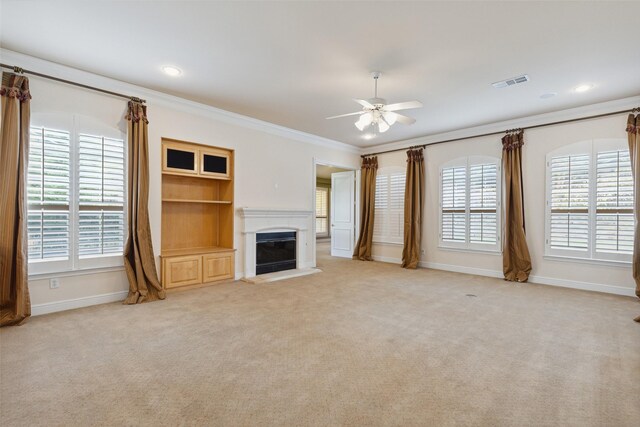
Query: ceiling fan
x=376, y=112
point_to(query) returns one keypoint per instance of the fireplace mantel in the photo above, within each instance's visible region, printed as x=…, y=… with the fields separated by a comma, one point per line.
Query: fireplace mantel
x=274, y=213
x=256, y=220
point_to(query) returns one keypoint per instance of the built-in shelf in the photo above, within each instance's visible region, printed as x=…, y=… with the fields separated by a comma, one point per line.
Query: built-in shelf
x=218, y=178
x=197, y=214
x=194, y=251
x=215, y=202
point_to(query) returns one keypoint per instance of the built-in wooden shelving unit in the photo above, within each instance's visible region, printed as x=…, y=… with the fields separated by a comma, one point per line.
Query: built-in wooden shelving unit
x=197, y=214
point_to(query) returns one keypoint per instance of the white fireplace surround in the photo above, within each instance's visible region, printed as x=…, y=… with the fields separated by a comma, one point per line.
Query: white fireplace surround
x=262, y=220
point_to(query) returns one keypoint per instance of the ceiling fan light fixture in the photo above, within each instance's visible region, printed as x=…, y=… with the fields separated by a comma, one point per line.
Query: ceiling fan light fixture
x=382, y=126
x=365, y=120
x=378, y=115
x=390, y=117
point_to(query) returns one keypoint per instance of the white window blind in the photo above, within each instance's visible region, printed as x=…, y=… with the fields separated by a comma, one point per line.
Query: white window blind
x=614, y=202
x=101, y=195
x=454, y=204
x=569, y=223
x=590, y=201
x=48, y=195
x=76, y=199
x=469, y=202
x=322, y=211
x=388, y=224
x=483, y=203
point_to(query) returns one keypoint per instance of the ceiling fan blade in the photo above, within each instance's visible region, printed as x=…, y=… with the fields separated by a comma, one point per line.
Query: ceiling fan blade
x=344, y=115
x=403, y=106
x=405, y=120
x=364, y=103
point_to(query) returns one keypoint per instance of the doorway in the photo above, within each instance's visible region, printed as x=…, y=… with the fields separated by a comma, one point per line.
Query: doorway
x=335, y=210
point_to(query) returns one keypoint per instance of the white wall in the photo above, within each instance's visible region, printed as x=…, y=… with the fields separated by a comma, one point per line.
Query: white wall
x=272, y=170
x=538, y=142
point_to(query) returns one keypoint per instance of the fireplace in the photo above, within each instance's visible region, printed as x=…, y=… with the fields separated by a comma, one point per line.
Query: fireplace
x=275, y=251
x=295, y=223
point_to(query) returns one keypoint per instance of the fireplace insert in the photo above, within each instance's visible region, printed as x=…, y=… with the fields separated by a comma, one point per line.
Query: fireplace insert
x=275, y=252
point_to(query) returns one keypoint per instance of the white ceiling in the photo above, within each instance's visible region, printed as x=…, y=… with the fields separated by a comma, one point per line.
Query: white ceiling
x=295, y=63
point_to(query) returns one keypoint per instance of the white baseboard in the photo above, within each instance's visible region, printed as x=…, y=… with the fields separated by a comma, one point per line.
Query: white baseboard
x=551, y=281
x=586, y=286
x=462, y=269
x=387, y=259
x=70, y=304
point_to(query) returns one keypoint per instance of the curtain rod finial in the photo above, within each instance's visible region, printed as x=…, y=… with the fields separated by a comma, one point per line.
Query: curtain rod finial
x=18, y=70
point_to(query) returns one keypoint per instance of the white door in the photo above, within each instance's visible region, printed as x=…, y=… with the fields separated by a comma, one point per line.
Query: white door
x=342, y=214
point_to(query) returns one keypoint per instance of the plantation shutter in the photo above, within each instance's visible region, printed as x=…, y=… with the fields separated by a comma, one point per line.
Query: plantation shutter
x=322, y=210
x=614, y=202
x=395, y=221
x=101, y=195
x=483, y=203
x=454, y=201
x=569, y=222
x=380, y=205
x=48, y=189
x=389, y=207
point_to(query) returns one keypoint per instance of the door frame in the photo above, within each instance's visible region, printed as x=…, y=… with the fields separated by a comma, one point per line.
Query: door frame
x=315, y=163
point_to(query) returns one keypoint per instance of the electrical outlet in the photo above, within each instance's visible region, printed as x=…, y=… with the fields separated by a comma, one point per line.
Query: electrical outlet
x=54, y=283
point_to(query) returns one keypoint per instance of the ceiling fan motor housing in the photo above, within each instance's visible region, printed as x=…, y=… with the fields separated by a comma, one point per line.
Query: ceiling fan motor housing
x=377, y=102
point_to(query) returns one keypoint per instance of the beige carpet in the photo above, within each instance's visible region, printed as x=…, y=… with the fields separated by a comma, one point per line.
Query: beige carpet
x=359, y=344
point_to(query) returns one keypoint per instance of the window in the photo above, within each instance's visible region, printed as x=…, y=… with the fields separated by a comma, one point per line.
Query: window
x=590, y=201
x=469, y=203
x=75, y=193
x=322, y=211
x=388, y=226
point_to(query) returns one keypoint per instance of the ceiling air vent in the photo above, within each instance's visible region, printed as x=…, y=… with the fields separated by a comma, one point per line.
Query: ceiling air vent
x=511, y=82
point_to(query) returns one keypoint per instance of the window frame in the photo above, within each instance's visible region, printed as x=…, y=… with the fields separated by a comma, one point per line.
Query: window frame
x=467, y=246
x=382, y=238
x=591, y=148
x=75, y=125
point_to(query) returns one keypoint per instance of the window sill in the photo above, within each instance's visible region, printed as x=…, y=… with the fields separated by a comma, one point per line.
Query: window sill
x=470, y=250
x=607, y=262
x=82, y=272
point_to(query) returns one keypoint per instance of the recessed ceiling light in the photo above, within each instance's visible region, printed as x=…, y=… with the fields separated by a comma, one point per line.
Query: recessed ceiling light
x=548, y=95
x=583, y=88
x=171, y=71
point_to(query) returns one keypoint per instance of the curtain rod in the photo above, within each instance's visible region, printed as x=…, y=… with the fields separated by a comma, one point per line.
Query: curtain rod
x=19, y=70
x=634, y=110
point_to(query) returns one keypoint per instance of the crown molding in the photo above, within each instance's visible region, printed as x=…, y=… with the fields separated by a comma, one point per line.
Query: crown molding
x=521, y=122
x=154, y=97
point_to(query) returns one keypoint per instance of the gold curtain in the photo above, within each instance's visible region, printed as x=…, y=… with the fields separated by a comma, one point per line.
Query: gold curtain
x=369, y=169
x=516, y=261
x=139, y=260
x=413, y=208
x=633, y=130
x=15, y=304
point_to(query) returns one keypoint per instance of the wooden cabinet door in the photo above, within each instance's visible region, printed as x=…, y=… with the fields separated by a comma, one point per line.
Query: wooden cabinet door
x=217, y=266
x=179, y=158
x=181, y=271
x=214, y=163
